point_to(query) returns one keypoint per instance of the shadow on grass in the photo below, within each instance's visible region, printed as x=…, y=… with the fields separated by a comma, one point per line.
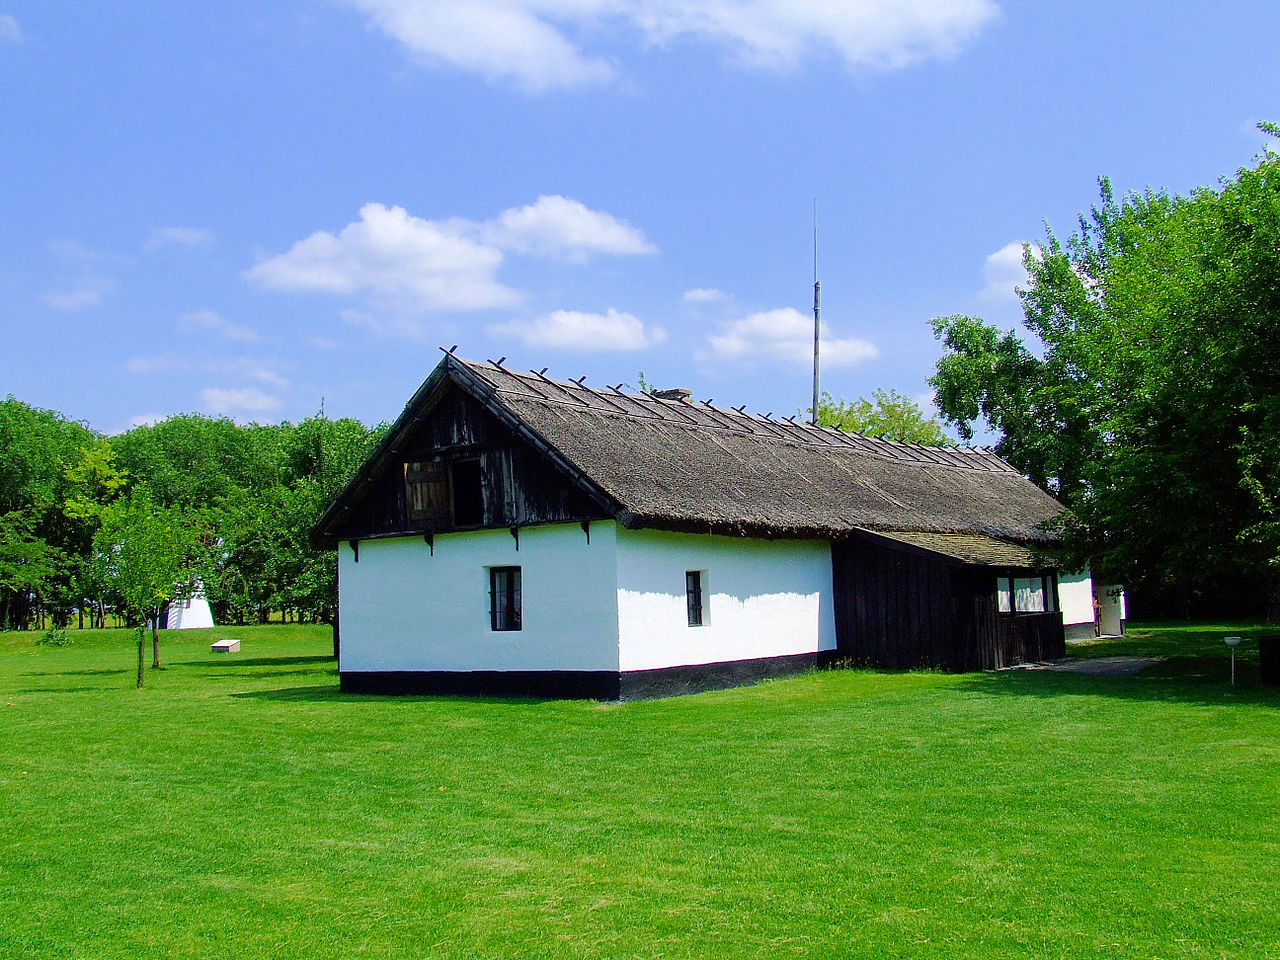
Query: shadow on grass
x=333, y=695
x=1202, y=681
x=26, y=690
x=111, y=671
x=231, y=660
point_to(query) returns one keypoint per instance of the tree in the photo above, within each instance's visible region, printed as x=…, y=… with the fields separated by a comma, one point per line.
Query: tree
x=1148, y=397
x=146, y=552
x=36, y=449
x=888, y=414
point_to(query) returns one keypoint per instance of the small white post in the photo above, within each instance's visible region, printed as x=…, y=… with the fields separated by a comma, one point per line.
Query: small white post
x=1233, y=642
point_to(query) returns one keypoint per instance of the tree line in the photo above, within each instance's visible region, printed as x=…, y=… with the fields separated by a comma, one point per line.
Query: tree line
x=93, y=527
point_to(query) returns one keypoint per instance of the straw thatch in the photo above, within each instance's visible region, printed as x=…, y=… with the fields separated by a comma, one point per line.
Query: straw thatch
x=688, y=466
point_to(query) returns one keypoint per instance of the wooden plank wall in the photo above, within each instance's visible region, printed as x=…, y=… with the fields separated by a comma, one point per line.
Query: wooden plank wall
x=902, y=609
x=894, y=608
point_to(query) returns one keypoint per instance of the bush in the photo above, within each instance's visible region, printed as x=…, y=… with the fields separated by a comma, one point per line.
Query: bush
x=56, y=637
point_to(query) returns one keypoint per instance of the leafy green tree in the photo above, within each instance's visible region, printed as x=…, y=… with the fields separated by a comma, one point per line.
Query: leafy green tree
x=888, y=414
x=195, y=462
x=1148, y=394
x=27, y=565
x=36, y=449
x=147, y=552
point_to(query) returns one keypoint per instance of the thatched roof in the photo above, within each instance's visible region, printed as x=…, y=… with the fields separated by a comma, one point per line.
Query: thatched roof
x=972, y=548
x=689, y=466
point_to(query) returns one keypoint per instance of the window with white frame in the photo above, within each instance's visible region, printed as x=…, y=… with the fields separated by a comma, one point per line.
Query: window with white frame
x=1033, y=594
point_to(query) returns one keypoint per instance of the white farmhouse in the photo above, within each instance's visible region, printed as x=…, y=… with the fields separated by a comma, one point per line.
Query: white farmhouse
x=518, y=535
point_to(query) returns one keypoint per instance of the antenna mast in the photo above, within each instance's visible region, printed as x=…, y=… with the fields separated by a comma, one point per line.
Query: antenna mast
x=817, y=314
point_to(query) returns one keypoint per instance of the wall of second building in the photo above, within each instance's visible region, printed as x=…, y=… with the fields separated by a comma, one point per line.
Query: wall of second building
x=401, y=608
x=1075, y=600
x=761, y=598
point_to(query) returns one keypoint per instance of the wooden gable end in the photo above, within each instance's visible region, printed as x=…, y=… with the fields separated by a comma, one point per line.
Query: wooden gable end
x=458, y=467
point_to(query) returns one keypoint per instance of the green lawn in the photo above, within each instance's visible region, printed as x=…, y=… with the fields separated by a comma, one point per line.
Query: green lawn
x=239, y=806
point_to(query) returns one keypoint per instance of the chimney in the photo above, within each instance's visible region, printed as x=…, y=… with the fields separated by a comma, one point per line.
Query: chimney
x=675, y=393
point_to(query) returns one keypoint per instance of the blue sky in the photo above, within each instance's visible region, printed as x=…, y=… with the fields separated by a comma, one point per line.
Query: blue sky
x=242, y=208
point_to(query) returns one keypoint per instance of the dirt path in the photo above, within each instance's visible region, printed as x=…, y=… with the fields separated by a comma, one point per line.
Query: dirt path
x=1098, y=666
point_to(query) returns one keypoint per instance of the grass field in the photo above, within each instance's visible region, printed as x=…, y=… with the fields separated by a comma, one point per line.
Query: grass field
x=239, y=806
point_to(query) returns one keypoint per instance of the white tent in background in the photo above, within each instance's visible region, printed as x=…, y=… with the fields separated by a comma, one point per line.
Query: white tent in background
x=190, y=614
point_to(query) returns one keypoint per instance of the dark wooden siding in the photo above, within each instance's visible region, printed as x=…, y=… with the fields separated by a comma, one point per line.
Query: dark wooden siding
x=518, y=487
x=903, y=608
x=893, y=608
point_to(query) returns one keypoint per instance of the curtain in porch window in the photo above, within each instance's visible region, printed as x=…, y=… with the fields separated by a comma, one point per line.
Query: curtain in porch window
x=1028, y=594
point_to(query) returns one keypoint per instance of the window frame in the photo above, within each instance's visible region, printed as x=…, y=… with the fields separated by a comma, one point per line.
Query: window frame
x=462, y=468
x=695, y=603
x=1006, y=583
x=511, y=581
x=421, y=476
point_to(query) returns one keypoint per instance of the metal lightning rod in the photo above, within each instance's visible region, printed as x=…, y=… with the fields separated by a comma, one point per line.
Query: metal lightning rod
x=817, y=313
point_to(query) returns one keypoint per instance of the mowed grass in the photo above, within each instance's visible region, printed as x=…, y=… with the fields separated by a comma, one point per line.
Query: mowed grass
x=240, y=806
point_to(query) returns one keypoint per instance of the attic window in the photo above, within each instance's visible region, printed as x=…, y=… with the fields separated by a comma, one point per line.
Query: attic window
x=468, y=498
x=426, y=487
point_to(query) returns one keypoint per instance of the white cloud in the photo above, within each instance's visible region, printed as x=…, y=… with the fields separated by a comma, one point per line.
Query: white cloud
x=387, y=324
x=264, y=375
x=585, y=332
x=703, y=295
x=10, y=32
x=1003, y=272
x=88, y=283
x=557, y=226
x=228, y=401
x=405, y=266
x=500, y=40
x=784, y=334
x=158, y=364
x=88, y=291
x=396, y=259
x=538, y=45
x=212, y=321
x=323, y=343
x=245, y=368
x=178, y=236
x=146, y=419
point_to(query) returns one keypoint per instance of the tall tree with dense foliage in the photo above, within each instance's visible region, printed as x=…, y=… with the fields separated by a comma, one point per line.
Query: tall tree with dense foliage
x=37, y=539
x=1148, y=395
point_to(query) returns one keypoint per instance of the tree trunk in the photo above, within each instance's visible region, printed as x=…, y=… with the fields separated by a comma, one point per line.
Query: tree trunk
x=140, y=657
x=1273, y=601
x=155, y=641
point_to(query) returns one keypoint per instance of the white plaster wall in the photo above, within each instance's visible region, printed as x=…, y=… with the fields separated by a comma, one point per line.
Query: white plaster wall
x=1075, y=597
x=1111, y=617
x=761, y=598
x=401, y=608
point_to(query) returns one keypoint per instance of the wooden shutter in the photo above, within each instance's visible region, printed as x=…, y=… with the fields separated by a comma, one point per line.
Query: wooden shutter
x=426, y=485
